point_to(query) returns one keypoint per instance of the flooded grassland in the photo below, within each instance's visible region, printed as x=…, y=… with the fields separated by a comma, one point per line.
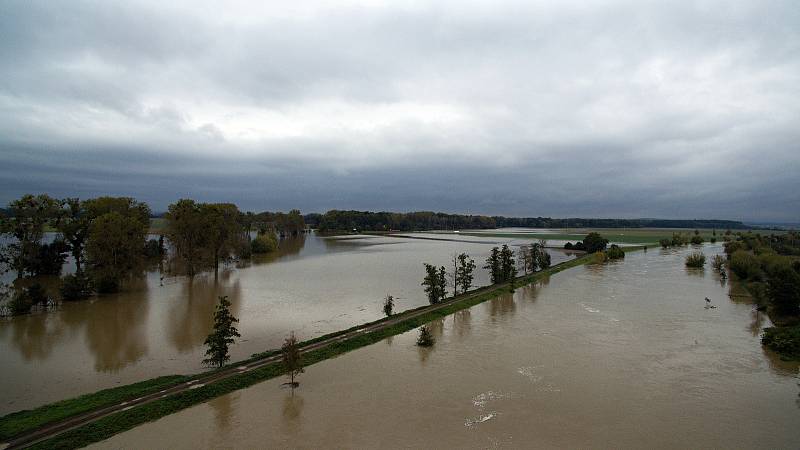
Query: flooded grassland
x=623, y=354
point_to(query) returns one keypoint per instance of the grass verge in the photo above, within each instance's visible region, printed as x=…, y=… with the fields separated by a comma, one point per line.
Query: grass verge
x=122, y=421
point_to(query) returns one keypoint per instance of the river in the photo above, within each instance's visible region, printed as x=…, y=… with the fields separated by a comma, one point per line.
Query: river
x=313, y=285
x=623, y=354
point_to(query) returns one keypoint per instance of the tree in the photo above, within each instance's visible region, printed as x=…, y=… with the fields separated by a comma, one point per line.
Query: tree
x=388, y=305
x=114, y=249
x=783, y=288
x=223, y=335
x=292, y=359
x=526, y=257
x=508, y=265
x=425, y=338
x=74, y=228
x=435, y=283
x=25, y=222
x=543, y=259
x=186, y=231
x=464, y=272
x=493, y=266
x=594, y=242
x=224, y=232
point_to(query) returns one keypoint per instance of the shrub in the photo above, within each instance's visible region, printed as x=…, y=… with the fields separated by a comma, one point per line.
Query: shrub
x=568, y=246
x=697, y=239
x=664, y=242
x=678, y=240
x=106, y=284
x=717, y=262
x=614, y=252
x=264, y=243
x=594, y=242
x=784, y=340
x=152, y=249
x=579, y=246
x=745, y=266
x=75, y=287
x=732, y=247
x=425, y=338
x=20, y=303
x=783, y=289
x=713, y=240
x=695, y=260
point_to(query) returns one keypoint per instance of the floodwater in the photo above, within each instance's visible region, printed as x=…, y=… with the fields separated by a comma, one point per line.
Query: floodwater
x=623, y=354
x=312, y=285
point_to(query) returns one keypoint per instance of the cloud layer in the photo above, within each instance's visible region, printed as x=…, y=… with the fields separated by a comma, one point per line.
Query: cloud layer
x=617, y=108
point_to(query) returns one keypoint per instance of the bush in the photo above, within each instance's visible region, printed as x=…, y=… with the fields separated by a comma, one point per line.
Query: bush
x=579, y=246
x=106, y=285
x=665, y=242
x=20, y=303
x=152, y=249
x=717, y=262
x=697, y=239
x=784, y=340
x=568, y=246
x=695, y=260
x=745, y=266
x=713, y=240
x=732, y=247
x=264, y=243
x=425, y=338
x=783, y=289
x=75, y=287
x=614, y=252
x=678, y=240
x=594, y=242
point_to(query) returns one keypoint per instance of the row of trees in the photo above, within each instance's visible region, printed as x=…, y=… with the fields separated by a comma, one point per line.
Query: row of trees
x=336, y=220
x=107, y=239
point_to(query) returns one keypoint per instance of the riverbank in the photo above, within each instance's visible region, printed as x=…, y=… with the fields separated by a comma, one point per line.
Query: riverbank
x=24, y=424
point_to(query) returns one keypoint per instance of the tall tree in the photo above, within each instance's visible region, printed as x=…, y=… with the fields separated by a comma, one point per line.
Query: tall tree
x=435, y=283
x=114, y=249
x=187, y=232
x=222, y=337
x=224, y=232
x=74, y=227
x=493, y=266
x=25, y=222
x=464, y=272
x=292, y=359
x=507, y=263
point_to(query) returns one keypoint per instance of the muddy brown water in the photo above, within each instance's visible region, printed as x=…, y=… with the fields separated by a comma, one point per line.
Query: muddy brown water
x=620, y=355
x=312, y=285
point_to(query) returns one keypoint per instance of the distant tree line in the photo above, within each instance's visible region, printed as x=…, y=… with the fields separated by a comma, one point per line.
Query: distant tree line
x=336, y=220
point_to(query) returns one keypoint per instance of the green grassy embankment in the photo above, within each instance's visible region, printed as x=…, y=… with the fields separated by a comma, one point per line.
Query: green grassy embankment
x=116, y=423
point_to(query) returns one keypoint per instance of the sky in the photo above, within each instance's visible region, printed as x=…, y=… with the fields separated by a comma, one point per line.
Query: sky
x=679, y=109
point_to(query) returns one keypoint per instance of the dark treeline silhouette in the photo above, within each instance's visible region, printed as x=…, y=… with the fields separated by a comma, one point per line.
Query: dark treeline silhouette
x=336, y=220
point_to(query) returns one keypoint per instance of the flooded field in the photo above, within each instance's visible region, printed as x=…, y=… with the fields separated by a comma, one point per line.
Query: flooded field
x=313, y=285
x=604, y=356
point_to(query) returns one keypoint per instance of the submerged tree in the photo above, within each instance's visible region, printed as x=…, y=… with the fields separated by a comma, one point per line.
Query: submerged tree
x=25, y=222
x=388, y=305
x=223, y=335
x=292, y=359
x=425, y=338
x=508, y=265
x=74, y=227
x=464, y=272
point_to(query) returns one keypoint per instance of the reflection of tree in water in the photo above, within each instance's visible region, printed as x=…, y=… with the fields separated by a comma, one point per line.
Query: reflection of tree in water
x=289, y=246
x=115, y=332
x=502, y=305
x=757, y=324
x=292, y=412
x=462, y=322
x=223, y=408
x=33, y=336
x=192, y=317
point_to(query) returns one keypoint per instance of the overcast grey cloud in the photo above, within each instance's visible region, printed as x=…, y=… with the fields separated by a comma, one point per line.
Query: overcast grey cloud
x=605, y=109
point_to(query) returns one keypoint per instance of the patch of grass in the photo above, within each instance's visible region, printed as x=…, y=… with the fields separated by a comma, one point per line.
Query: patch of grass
x=19, y=422
x=125, y=420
